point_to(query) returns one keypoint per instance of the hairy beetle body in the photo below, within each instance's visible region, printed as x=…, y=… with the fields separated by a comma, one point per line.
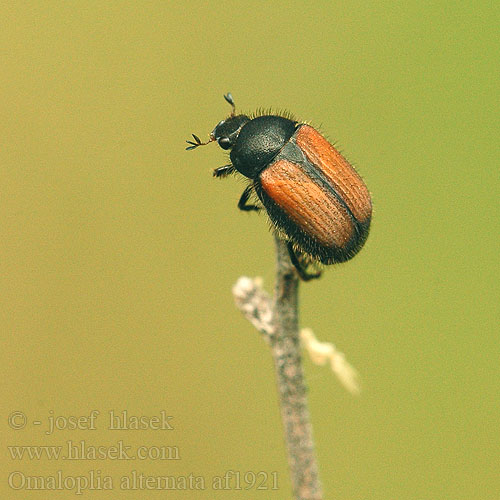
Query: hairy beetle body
x=314, y=198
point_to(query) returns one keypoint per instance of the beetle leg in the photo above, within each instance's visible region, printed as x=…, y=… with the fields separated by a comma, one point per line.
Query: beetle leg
x=242, y=204
x=224, y=171
x=299, y=266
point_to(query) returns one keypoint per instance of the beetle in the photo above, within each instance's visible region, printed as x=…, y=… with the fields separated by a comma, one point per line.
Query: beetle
x=315, y=199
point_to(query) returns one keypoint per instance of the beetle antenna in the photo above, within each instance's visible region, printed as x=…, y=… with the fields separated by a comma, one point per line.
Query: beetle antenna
x=229, y=98
x=197, y=142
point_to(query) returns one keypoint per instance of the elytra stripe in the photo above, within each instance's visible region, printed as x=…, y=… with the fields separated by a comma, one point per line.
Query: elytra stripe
x=317, y=212
x=344, y=179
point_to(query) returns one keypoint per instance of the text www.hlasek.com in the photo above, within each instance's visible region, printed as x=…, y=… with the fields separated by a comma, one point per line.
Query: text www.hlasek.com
x=80, y=450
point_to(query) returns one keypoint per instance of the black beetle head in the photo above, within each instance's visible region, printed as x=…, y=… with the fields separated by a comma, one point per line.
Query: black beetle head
x=226, y=132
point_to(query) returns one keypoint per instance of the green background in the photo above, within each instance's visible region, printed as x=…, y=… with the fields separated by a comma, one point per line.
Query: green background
x=118, y=250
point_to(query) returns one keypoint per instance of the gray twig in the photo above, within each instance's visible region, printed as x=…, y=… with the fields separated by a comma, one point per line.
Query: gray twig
x=277, y=320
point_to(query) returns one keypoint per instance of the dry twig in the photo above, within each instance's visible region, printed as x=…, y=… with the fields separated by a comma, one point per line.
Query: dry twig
x=277, y=320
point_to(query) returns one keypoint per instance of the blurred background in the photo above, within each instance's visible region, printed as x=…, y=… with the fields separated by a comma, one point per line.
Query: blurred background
x=118, y=249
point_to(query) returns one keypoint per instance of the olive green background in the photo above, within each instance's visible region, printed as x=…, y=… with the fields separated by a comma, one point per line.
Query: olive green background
x=118, y=250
